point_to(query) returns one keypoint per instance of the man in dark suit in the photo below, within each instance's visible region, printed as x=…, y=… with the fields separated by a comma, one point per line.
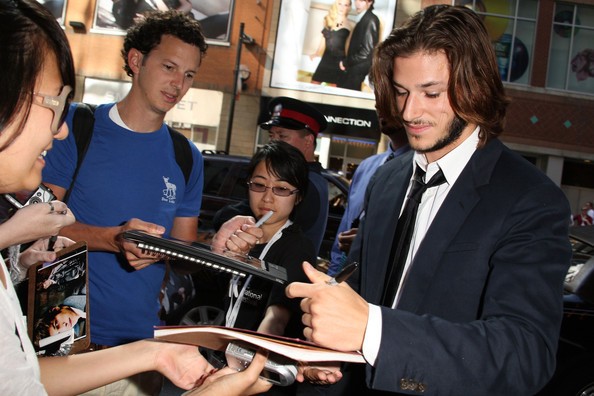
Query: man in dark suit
x=363, y=40
x=478, y=307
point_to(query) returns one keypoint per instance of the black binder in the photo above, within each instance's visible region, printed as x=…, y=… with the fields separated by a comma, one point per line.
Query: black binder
x=199, y=254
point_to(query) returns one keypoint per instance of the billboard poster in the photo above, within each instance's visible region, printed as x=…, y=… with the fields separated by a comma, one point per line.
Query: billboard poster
x=326, y=46
x=115, y=16
x=56, y=7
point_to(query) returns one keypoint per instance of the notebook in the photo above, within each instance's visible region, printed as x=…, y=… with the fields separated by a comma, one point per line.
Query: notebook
x=195, y=254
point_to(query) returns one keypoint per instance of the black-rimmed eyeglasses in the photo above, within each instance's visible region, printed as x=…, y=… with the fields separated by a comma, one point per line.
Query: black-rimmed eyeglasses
x=280, y=191
x=58, y=104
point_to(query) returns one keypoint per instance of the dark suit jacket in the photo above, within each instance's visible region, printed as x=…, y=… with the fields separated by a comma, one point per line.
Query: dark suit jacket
x=364, y=38
x=481, y=308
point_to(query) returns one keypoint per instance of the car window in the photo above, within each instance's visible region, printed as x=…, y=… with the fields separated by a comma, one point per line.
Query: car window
x=214, y=176
x=240, y=190
x=336, y=199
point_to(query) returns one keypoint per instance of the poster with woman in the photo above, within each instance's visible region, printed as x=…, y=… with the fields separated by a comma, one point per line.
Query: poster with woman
x=115, y=16
x=326, y=46
x=56, y=7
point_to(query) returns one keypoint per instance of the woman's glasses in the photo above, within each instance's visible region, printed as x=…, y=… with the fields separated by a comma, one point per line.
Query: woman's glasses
x=58, y=104
x=280, y=191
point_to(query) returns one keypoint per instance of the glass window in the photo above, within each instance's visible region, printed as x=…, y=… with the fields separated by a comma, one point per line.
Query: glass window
x=571, y=57
x=511, y=25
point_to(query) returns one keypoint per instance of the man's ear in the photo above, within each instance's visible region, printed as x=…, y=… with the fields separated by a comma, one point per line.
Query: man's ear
x=135, y=58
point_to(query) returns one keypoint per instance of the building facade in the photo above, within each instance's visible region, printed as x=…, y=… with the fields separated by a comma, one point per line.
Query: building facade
x=545, y=50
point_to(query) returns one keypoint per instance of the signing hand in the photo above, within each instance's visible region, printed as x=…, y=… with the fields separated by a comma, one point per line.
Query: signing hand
x=335, y=316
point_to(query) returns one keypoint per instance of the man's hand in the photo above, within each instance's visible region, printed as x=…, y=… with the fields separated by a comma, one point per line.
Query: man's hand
x=137, y=259
x=238, y=235
x=321, y=374
x=346, y=238
x=335, y=316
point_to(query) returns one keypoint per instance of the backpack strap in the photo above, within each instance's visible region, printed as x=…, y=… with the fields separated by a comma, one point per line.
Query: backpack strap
x=83, y=122
x=183, y=152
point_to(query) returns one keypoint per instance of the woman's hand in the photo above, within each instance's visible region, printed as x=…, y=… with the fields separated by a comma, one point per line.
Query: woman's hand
x=230, y=382
x=38, y=251
x=35, y=221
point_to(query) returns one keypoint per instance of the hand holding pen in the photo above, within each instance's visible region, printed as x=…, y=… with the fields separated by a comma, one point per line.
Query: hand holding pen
x=334, y=315
x=240, y=234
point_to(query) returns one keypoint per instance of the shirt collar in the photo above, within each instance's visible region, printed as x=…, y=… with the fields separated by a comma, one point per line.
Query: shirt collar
x=453, y=162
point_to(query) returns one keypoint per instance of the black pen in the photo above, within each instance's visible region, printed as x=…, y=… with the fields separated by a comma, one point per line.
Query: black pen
x=344, y=274
x=51, y=243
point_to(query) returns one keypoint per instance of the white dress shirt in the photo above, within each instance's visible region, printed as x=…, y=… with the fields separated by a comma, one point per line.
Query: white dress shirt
x=451, y=165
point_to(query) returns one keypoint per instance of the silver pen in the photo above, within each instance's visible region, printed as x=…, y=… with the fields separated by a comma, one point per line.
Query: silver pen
x=344, y=274
x=264, y=218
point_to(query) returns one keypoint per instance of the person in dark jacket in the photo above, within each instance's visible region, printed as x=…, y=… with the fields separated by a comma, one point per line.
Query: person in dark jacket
x=363, y=40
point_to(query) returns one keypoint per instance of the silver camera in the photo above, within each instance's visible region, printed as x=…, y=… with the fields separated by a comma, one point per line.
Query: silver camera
x=42, y=194
x=278, y=370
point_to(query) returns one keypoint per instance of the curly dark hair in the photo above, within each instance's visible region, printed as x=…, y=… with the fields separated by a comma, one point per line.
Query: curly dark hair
x=146, y=34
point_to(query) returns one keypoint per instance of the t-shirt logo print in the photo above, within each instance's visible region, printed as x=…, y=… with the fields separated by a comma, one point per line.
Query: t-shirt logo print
x=169, y=191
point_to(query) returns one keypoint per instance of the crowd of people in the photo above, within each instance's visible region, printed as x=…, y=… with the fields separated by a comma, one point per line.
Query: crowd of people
x=445, y=239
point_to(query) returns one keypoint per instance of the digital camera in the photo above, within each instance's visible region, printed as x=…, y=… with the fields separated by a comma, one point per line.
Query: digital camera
x=278, y=370
x=42, y=194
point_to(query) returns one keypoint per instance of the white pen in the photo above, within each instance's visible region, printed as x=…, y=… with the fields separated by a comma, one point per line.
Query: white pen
x=264, y=218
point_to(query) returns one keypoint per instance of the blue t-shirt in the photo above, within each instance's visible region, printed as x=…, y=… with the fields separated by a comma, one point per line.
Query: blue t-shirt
x=124, y=175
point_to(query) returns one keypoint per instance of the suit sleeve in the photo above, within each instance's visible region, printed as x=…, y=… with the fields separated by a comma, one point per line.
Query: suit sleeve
x=509, y=348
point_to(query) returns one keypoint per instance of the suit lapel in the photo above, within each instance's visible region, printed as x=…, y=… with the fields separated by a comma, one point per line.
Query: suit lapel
x=452, y=215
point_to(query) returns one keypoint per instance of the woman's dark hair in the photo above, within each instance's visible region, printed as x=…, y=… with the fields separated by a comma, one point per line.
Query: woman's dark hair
x=146, y=34
x=285, y=162
x=28, y=34
x=475, y=89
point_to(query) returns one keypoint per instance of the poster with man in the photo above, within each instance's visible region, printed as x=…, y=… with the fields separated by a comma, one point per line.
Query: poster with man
x=327, y=45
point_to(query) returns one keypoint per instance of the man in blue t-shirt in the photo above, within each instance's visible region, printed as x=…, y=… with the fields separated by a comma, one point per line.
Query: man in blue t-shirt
x=130, y=179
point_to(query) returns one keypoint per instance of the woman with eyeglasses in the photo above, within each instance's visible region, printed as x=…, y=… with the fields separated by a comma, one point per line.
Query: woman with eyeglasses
x=278, y=181
x=37, y=76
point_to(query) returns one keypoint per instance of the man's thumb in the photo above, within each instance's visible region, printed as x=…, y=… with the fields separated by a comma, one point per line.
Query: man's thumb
x=313, y=274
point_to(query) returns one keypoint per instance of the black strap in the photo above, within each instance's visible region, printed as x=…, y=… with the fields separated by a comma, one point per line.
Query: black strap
x=183, y=152
x=82, y=128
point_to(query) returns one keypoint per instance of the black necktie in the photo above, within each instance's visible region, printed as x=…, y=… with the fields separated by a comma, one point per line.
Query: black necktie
x=404, y=232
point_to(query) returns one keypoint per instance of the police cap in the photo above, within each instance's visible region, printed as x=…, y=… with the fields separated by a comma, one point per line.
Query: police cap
x=294, y=114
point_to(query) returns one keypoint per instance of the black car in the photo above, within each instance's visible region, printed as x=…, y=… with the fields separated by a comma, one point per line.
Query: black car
x=225, y=183
x=574, y=375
